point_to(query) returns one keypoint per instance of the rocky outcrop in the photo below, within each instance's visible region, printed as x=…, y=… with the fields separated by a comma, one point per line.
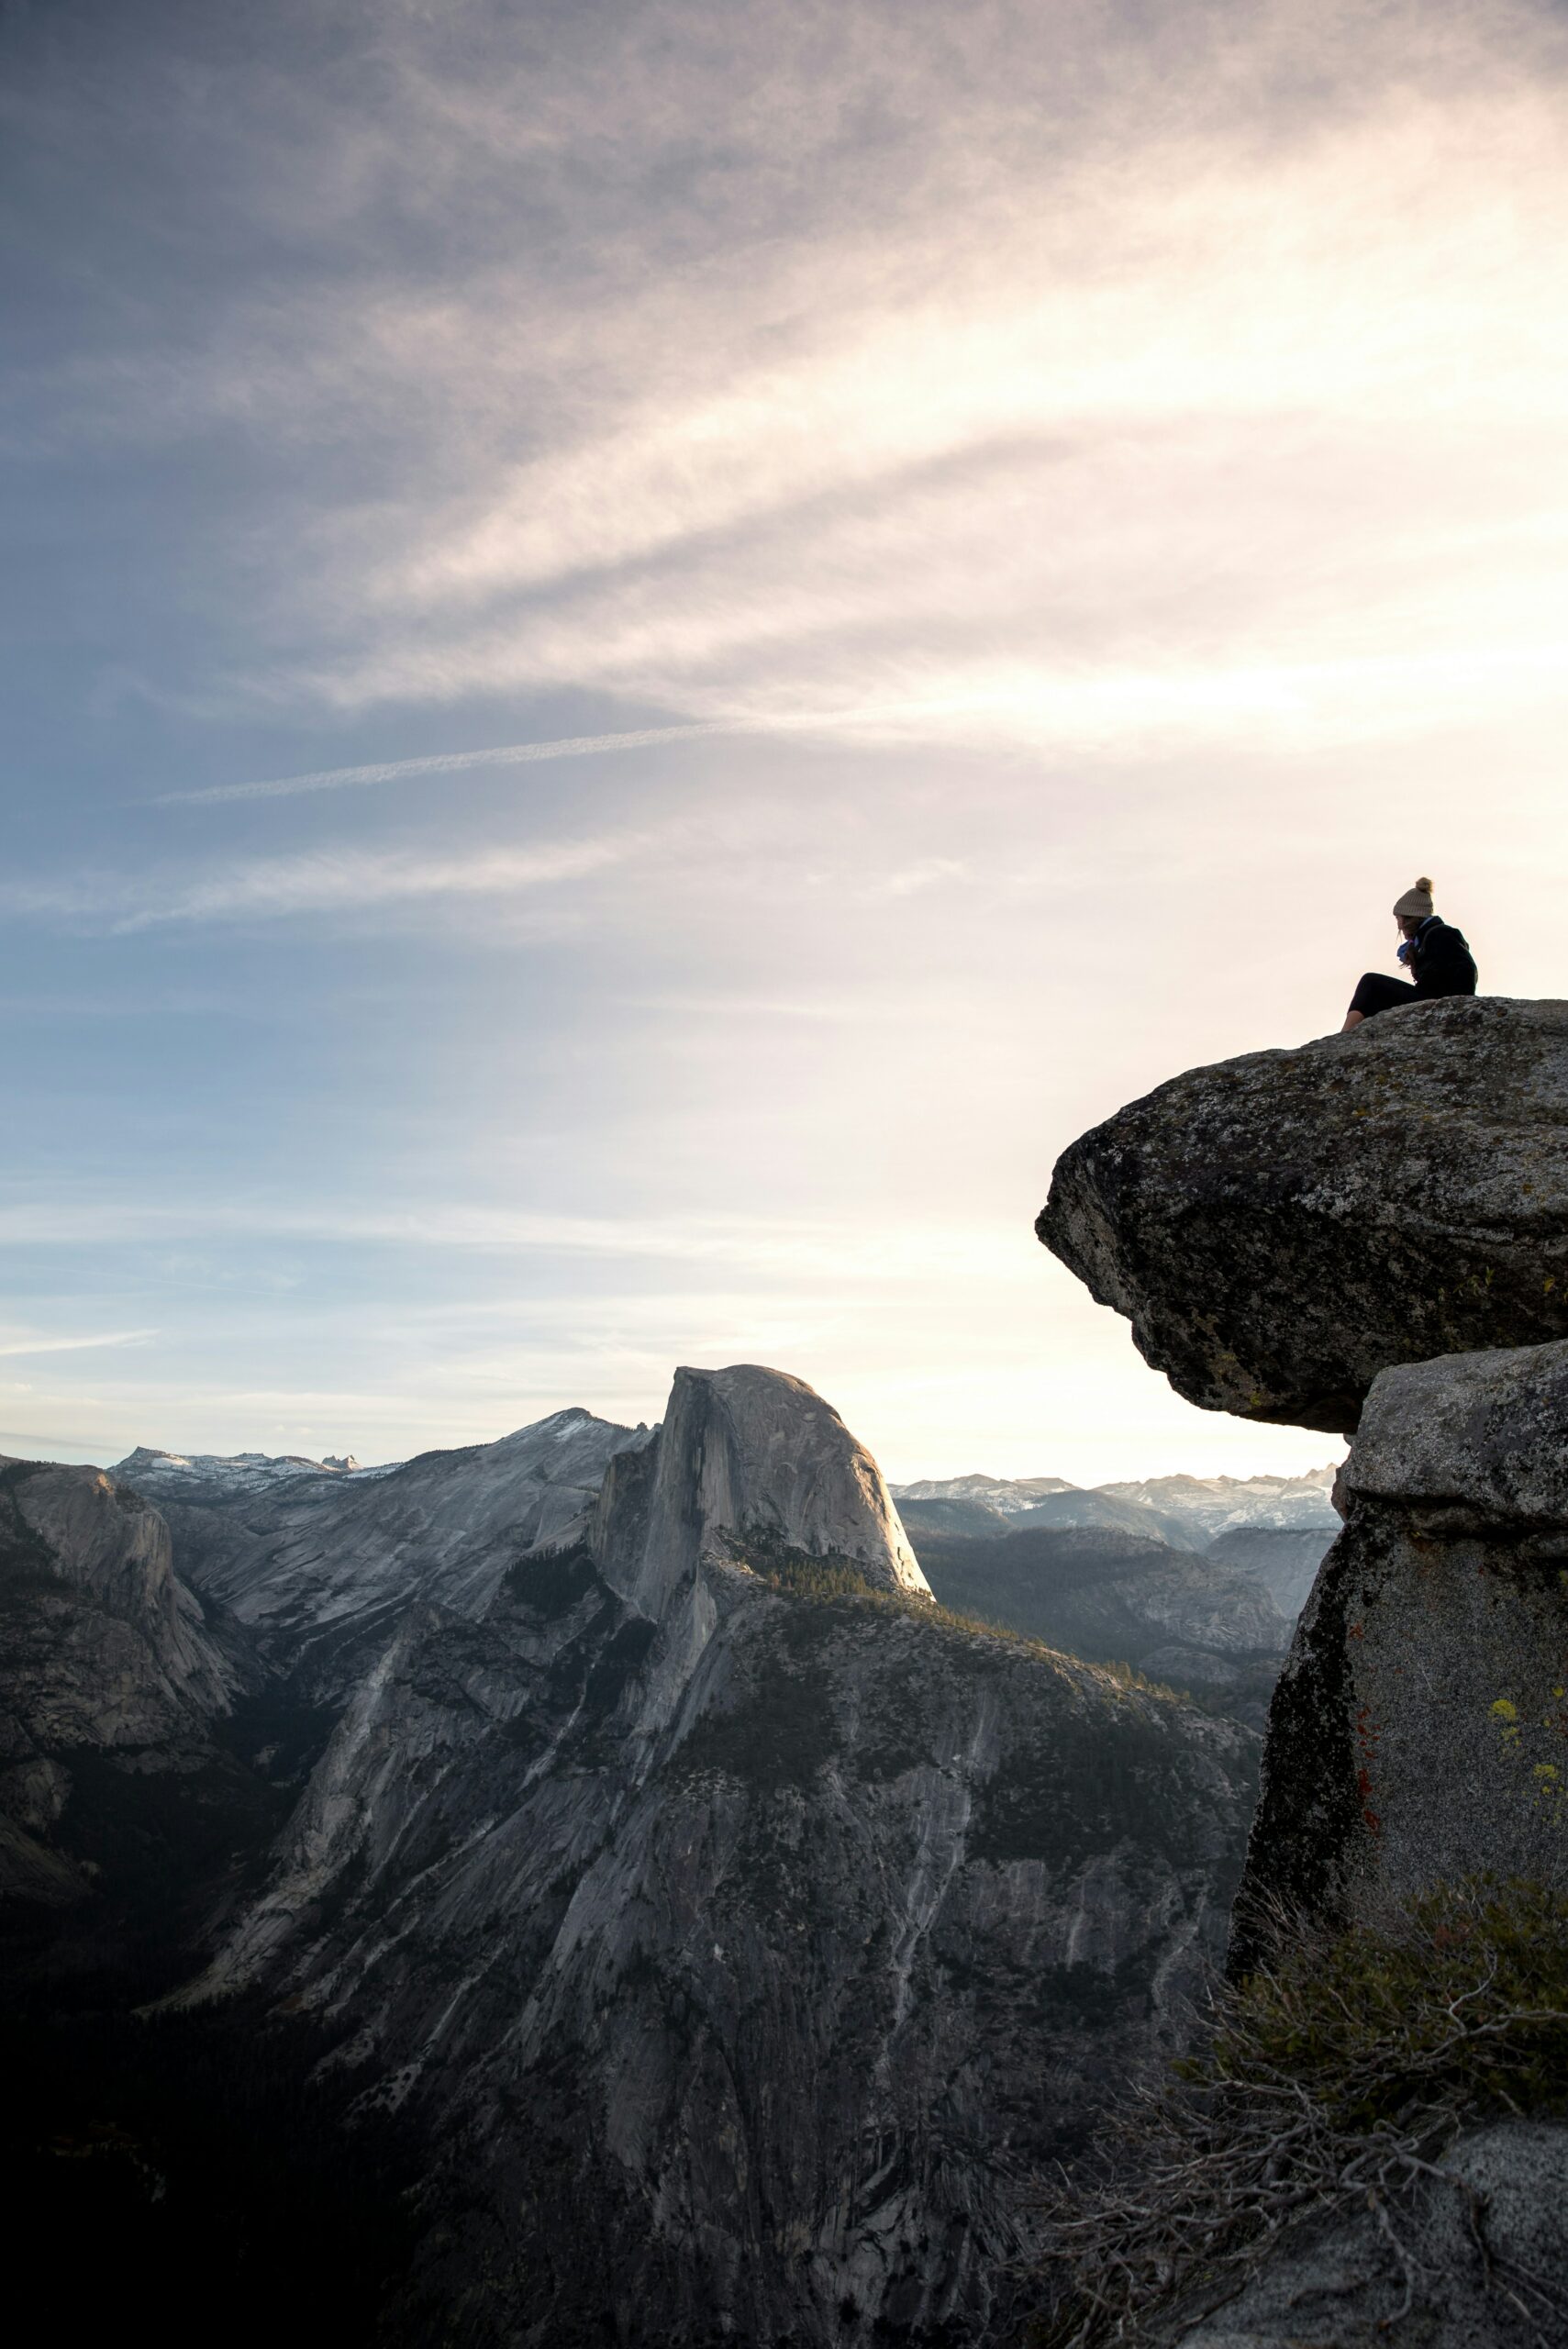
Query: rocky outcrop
x=1330, y=1235
x=1281, y=1228
x=707, y=1894
x=1493, y=2211
x=749, y=1463
x=108, y=1666
x=1420, y=1730
x=1371, y=1234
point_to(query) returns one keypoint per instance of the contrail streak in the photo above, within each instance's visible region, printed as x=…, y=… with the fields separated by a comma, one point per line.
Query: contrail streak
x=506, y=754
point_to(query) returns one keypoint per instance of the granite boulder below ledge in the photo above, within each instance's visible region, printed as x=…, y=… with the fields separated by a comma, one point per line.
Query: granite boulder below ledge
x=1418, y=1736
x=1281, y=1227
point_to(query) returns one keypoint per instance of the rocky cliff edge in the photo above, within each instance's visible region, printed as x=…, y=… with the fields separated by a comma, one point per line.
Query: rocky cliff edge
x=1371, y=1234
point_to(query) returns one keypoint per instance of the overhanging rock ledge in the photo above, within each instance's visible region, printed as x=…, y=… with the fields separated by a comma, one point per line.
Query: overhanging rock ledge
x=1281, y=1227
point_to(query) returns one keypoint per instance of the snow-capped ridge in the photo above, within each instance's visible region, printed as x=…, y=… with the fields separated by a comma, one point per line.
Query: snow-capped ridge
x=154, y=1470
x=325, y=1561
x=1008, y=1494
x=1188, y=1511
x=1220, y=1504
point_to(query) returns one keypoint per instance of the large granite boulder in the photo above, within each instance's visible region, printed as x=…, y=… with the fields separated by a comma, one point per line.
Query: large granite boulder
x=1419, y=1734
x=1279, y=1229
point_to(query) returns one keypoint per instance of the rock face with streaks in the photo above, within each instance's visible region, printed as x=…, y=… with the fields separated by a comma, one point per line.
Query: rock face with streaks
x=748, y=1457
x=1279, y=1229
x=704, y=1894
x=733, y=1932
x=321, y=1566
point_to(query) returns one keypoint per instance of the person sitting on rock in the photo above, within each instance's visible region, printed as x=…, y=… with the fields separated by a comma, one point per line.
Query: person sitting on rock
x=1434, y=951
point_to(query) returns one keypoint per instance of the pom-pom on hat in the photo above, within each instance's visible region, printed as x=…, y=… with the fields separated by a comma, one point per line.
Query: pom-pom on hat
x=1416, y=903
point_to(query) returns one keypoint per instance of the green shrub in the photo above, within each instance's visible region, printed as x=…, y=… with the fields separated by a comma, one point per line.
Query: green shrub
x=1461, y=1994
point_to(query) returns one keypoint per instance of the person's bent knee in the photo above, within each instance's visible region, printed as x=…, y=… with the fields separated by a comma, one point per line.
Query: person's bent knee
x=1376, y=992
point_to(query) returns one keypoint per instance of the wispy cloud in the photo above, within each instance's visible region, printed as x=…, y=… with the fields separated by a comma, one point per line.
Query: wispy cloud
x=1100, y=466
x=758, y=1243
x=326, y=881
x=927, y=873
x=1120, y=478
x=973, y=389
x=32, y=1343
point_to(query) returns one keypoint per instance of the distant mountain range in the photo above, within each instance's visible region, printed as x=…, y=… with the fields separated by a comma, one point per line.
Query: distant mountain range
x=1195, y=1581
x=237, y=1471
x=1262, y=1538
x=1201, y=1507
x=1273, y=1529
x=1220, y=1504
x=1189, y=1512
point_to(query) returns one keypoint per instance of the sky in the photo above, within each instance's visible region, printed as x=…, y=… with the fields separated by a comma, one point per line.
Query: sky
x=650, y=649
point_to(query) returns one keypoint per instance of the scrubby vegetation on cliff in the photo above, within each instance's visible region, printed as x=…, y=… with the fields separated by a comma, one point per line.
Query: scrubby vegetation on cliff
x=795, y=1574
x=1337, y=2077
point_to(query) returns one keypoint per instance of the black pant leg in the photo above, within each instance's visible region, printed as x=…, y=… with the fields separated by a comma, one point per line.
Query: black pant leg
x=1375, y=990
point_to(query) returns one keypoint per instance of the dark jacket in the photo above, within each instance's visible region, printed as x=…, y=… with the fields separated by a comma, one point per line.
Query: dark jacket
x=1440, y=962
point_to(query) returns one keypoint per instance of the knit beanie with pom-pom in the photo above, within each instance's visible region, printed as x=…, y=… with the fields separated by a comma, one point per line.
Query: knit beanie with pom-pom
x=1416, y=904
